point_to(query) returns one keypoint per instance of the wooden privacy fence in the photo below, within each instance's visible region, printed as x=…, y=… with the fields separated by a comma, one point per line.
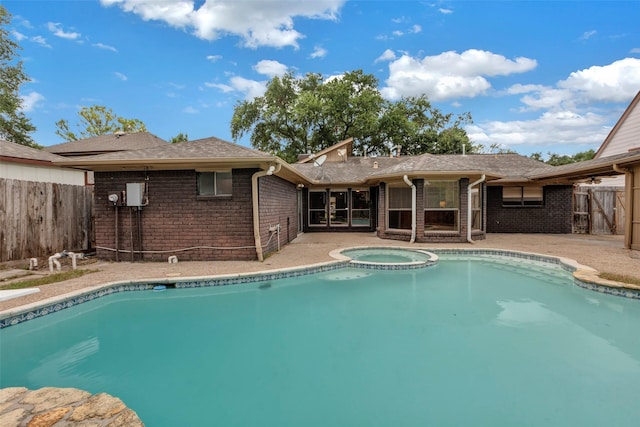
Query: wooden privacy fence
x=41, y=218
x=598, y=210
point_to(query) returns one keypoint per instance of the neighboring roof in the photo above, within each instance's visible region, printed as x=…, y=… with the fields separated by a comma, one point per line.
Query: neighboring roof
x=112, y=142
x=618, y=125
x=198, y=154
x=16, y=153
x=603, y=166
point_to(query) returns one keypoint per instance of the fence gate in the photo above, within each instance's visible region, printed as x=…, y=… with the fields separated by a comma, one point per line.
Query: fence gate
x=598, y=210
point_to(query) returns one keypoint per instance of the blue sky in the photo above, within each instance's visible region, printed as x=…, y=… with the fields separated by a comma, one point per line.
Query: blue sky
x=537, y=76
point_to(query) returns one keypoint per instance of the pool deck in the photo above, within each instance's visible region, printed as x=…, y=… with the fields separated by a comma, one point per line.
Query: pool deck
x=602, y=253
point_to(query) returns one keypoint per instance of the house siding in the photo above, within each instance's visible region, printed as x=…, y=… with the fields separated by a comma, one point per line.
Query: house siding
x=175, y=218
x=555, y=217
x=278, y=205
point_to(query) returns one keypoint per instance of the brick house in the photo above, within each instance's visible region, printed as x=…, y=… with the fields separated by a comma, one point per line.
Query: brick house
x=199, y=200
x=458, y=198
x=210, y=199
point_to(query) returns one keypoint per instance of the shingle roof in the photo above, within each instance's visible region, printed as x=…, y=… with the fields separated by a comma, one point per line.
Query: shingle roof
x=206, y=148
x=359, y=169
x=107, y=143
x=602, y=166
x=10, y=150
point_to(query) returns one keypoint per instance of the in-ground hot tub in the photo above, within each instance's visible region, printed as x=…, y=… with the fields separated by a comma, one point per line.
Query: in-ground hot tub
x=387, y=258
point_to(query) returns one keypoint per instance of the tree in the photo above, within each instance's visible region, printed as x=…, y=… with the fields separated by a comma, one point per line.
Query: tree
x=181, y=137
x=14, y=124
x=564, y=159
x=308, y=114
x=98, y=120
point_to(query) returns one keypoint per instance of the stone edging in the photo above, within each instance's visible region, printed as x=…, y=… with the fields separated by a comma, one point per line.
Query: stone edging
x=51, y=406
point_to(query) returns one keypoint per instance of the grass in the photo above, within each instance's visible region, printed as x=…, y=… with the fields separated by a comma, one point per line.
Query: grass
x=45, y=280
x=621, y=278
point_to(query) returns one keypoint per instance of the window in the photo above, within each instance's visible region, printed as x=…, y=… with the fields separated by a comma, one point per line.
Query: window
x=214, y=183
x=399, y=210
x=522, y=196
x=360, y=208
x=317, y=208
x=441, y=206
x=476, y=208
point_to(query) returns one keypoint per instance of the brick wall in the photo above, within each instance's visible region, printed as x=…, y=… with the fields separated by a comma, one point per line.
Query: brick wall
x=278, y=205
x=175, y=218
x=555, y=217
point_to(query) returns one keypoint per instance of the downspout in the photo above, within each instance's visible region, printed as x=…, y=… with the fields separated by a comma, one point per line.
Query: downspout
x=469, y=209
x=413, y=208
x=628, y=195
x=256, y=213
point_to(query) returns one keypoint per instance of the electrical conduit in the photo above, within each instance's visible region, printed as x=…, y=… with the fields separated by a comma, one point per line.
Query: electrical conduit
x=469, y=208
x=413, y=208
x=256, y=213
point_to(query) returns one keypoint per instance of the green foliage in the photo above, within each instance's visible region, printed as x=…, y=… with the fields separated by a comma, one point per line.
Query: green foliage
x=97, y=120
x=14, y=124
x=309, y=114
x=181, y=137
x=563, y=159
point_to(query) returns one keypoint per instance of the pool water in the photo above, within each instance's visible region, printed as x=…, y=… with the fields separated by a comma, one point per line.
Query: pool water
x=467, y=342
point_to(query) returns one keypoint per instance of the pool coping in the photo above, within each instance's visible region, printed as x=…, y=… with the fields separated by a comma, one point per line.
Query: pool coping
x=583, y=276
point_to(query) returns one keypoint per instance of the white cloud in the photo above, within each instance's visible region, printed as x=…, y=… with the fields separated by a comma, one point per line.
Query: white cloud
x=270, y=68
x=121, y=76
x=609, y=83
x=30, y=101
x=318, y=52
x=416, y=29
x=548, y=130
x=214, y=58
x=190, y=110
x=40, y=40
x=222, y=87
x=56, y=29
x=567, y=109
x=588, y=34
x=445, y=11
x=635, y=50
x=249, y=88
x=258, y=23
x=450, y=74
x=18, y=36
x=387, y=55
x=105, y=47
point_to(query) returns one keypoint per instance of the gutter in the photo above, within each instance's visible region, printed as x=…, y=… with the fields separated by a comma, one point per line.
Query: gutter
x=469, y=210
x=256, y=213
x=413, y=208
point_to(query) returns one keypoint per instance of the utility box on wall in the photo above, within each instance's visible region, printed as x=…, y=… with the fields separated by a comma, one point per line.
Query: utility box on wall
x=135, y=193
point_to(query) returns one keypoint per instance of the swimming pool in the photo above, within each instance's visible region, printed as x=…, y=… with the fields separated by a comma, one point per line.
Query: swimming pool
x=470, y=341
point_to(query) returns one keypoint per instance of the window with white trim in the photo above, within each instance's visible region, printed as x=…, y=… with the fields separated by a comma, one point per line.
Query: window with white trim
x=441, y=206
x=215, y=183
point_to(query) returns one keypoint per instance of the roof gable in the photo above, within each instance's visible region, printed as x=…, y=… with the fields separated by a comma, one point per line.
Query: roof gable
x=626, y=132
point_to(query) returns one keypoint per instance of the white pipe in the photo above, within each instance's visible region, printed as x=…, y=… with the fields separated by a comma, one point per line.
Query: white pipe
x=413, y=208
x=469, y=209
x=256, y=213
x=173, y=259
x=33, y=263
x=53, y=259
